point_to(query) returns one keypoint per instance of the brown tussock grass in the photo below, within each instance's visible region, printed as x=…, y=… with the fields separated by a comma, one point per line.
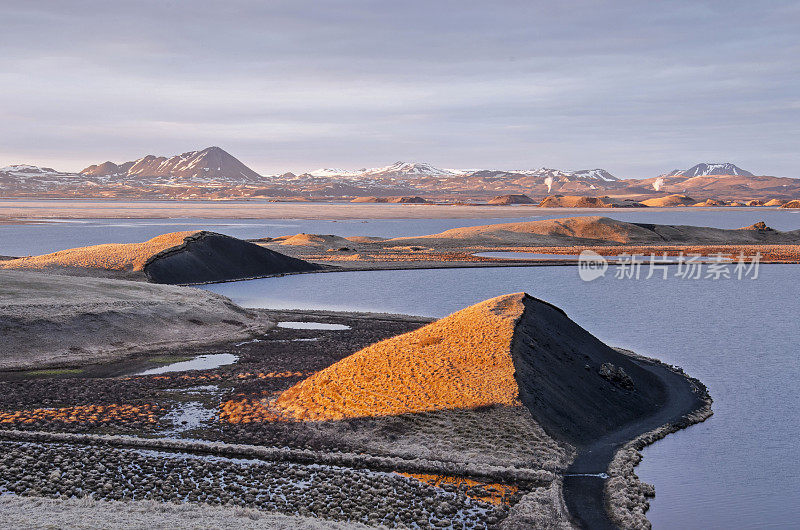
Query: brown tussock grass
x=462, y=361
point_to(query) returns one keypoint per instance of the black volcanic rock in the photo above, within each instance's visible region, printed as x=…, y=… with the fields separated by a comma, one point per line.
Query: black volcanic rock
x=211, y=257
x=572, y=402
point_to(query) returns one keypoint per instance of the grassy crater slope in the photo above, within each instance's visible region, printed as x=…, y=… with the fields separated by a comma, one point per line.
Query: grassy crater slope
x=55, y=321
x=511, y=350
x=176, y=257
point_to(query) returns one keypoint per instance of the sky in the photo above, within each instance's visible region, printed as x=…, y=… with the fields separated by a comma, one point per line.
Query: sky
x=637, y=88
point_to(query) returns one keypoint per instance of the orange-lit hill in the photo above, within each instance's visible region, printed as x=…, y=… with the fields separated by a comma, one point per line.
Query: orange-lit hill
x=177, y=257
x=511, y=350
x=461, y=361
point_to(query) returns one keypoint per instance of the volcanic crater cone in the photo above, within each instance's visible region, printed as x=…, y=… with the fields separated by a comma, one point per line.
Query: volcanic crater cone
x=174, y=258
x=511, y=350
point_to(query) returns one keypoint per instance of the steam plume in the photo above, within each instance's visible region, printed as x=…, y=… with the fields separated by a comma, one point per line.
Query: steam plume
x=658, y=184
x=549, y=182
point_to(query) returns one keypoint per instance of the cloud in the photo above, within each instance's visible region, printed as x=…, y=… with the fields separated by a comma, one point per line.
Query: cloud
x=297, y=85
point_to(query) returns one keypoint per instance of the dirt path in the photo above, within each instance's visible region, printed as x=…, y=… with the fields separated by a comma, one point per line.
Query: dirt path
x=584, y=480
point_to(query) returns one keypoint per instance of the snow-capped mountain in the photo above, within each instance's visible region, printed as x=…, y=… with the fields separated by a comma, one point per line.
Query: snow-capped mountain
x=336, y=172
x=593, y=174
x=412, y=169
x=420, y=169
x=396, y=170
x=705, y=169
x=26, y=170
x=210, y=164
x=36, y=179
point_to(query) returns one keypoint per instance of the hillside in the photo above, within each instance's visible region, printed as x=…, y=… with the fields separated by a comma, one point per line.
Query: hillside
x=669, y=201
x=592, y=230
x=512, y=199
x=510, y=351
x=577, y=201
x=54, y=320
x=177, y=257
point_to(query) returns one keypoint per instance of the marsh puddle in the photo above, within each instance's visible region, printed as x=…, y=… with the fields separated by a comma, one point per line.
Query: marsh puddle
x=202, y=362
x=312, y=325
x=188, y=416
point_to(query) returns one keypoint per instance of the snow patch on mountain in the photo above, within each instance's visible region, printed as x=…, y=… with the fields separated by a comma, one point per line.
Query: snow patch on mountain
x=335, y=172
x=26, y=170
x=591, y=174
x=396, y=170
x=705, y=169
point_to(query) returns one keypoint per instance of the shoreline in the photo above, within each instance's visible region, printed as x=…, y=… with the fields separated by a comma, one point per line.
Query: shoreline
x=620, y=498
x=44, y=210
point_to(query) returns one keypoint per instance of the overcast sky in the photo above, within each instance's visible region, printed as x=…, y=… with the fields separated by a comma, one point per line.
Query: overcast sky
x=635, y=87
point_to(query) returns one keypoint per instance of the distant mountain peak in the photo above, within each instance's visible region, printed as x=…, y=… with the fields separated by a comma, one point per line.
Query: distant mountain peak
x=211, y=163
x=707, y=168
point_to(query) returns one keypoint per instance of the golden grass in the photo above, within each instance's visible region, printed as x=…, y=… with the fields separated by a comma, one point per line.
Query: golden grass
x=112, y=256
x=85, y=414
x=461, y=361
x=247, y=410
x=491, y=492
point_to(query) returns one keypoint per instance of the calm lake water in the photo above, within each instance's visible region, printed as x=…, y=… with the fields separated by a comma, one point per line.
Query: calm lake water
x=20, y=240
x=741, y=468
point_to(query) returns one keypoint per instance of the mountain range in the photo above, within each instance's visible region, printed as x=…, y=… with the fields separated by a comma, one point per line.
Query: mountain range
x=214, y=173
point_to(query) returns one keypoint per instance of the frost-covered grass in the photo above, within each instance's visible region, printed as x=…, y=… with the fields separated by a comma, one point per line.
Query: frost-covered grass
x=37, y=512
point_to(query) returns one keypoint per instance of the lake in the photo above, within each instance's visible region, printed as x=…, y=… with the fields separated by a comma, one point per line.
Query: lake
x=739, y=469
x=21, y=240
